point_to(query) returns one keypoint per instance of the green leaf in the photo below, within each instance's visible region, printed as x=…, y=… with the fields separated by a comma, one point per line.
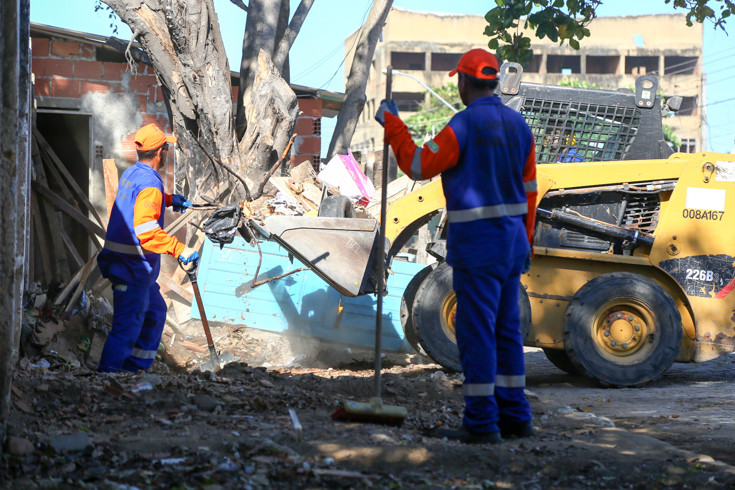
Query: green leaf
x=574, y=44
x=493, y=44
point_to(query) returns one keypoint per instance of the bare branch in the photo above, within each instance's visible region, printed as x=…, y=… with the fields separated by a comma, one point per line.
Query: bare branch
x=240, y=4
x=285, y=43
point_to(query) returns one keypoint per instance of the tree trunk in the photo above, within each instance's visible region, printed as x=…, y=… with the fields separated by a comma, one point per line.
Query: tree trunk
x=261, y=29
x=357, y=81
x=184, y=44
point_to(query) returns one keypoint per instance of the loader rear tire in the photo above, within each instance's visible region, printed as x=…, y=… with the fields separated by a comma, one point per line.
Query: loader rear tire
x=338, y=206
x=560, y=359
x=622, y=329
x=409, y=295
x=434, y=310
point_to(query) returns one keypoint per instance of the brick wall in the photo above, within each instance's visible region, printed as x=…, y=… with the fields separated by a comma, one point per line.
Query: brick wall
x=308, y=142
x=69, y=69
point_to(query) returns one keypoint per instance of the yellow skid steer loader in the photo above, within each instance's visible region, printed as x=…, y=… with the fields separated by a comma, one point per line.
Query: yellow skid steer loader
x=634, y=262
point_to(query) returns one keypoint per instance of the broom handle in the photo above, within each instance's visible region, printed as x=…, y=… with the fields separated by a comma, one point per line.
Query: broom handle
x=381, y=242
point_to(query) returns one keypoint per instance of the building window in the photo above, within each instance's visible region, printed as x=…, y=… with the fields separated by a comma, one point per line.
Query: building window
x=688, y=145
x=680, y=65
x=689, y=106
x=563, y=64
x=603, y=65
x=641, y=65
x=535, y=65
x=408, y=61
x=444, y=61
x=408, y=101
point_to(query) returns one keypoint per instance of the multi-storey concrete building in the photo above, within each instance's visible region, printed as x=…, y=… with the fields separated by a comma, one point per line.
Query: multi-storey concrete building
x=427, y=45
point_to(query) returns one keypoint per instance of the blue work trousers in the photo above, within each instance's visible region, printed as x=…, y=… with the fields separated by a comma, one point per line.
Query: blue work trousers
x=490, y=345
x=137, y=325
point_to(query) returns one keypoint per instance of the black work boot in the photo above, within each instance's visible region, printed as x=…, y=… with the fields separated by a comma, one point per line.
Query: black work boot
x=465, y=436
x=516, y=429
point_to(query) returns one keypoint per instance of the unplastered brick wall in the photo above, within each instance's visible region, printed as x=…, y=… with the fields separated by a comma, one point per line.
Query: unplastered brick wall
x=69, y=69
x=308, y=142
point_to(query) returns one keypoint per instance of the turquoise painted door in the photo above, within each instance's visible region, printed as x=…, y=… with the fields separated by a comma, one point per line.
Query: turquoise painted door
x=300, y=304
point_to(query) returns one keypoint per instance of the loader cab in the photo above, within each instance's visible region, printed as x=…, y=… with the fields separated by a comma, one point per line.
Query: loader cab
x=572, y=124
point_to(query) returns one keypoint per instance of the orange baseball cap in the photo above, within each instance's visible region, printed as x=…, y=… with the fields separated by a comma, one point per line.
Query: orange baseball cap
x=477, y=63
x=150, y=137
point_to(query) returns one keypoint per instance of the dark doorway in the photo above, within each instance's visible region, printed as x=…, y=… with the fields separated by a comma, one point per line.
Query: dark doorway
x=69, y=134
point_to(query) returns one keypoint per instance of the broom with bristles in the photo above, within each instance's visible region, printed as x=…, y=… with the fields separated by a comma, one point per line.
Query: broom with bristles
x=375, y=411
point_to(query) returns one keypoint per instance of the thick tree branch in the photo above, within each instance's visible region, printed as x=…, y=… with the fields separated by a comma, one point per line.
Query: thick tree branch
x=286, y=41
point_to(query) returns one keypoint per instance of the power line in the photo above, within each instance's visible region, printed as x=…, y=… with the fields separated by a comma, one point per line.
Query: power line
x=357, y=38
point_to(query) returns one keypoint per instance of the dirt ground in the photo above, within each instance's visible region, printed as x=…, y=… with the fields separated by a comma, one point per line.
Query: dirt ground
x=179, y=427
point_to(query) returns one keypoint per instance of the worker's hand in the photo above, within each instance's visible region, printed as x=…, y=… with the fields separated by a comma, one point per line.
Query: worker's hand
x=179, y=203
x=527, y=264
x=189, y=258
x=386, y=105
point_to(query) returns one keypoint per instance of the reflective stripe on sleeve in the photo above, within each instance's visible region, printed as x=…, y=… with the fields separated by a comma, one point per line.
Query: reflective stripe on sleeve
x=147, y=226
x=143, y=354
x=416, y=165
x=530, y=186
x=510, y=381
x=484, y=389
x=483, y=212
x=121, y=248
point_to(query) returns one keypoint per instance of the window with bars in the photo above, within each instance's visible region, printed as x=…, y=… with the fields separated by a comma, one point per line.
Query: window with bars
x=580, y=132
x=317, y=126
x=688, y=145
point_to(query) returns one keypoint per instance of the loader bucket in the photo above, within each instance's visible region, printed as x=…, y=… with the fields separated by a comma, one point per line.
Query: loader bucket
x=339, y=250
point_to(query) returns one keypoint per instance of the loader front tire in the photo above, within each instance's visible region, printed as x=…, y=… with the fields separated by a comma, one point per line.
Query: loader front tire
x=338, y=206
x=622, y=329
x=409, y=295
x=433, y=315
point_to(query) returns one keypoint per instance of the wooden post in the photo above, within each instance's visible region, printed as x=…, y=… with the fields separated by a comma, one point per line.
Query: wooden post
x=15, y=190
x=111, y=182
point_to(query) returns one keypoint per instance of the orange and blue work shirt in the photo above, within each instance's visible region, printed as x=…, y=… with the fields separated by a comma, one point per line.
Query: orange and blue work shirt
x=135, y=238
x=487, y=160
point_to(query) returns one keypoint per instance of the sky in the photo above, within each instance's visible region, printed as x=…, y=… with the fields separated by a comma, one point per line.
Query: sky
x=317, y=56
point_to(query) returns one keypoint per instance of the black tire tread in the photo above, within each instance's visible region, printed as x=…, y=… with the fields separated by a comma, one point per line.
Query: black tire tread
x=668, y=321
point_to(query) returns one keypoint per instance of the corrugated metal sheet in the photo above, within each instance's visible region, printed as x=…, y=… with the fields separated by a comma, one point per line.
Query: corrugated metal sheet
x=300, y=304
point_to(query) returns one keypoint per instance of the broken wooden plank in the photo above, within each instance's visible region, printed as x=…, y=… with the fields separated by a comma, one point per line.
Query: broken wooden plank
x=111, y=182
x=53, y=221
x=69, y=210
x=169, y=283
x=70, y=247
x=193, y=347
x=84, y=275
x=82, y=196
x=41, y=241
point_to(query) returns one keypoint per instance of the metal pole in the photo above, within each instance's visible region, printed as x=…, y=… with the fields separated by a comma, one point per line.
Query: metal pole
x=381, y=244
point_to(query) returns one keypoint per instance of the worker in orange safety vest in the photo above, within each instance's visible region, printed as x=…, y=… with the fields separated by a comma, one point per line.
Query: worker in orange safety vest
x=131, y=257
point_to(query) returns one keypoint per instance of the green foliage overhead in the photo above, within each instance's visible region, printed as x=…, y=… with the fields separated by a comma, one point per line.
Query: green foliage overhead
x=576, y=82
x=566, y=21
x=434, y=115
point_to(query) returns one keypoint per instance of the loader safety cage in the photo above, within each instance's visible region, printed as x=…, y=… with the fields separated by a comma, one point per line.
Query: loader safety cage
x=572, y=124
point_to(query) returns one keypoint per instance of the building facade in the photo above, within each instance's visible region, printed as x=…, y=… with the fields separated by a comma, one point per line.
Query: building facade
x=426, y=46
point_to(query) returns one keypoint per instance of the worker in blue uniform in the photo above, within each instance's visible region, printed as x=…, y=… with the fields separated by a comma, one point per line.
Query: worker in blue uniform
x=487, y=161
x=131, y=257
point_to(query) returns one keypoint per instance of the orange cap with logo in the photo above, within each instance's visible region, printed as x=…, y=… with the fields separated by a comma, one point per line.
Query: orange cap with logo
x=150, y=137
x=477, y=63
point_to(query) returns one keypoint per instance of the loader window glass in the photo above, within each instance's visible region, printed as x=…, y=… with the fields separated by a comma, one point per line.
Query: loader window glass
x=580, y=132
